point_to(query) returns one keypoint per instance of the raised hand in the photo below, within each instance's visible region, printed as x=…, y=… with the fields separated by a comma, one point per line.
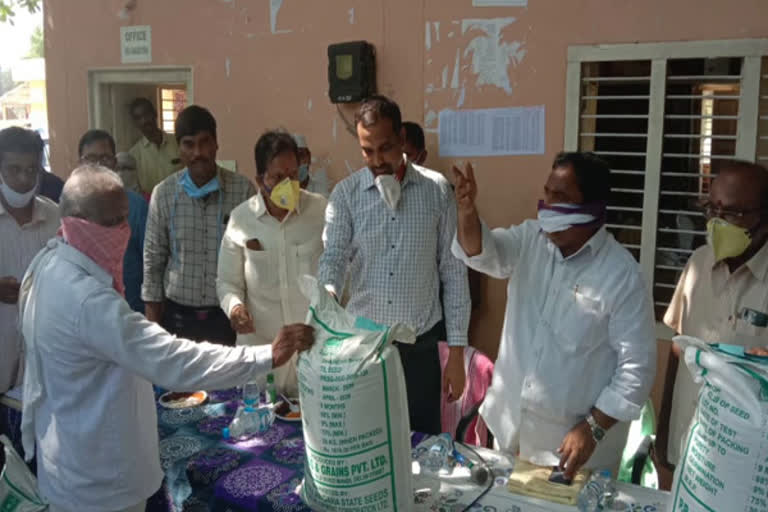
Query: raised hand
x=466, y=189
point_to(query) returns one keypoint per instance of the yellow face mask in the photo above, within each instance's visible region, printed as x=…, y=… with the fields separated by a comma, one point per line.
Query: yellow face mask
x=285, y=195
x=726, y=239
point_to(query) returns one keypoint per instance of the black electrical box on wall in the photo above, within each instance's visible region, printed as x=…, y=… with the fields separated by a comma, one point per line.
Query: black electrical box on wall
x=351, y=71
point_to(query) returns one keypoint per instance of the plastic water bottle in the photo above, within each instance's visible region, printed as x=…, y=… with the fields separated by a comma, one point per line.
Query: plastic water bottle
x=437, y=456
x=271, y=390
x=249, y=421
x=592, y=495
x=251, y=393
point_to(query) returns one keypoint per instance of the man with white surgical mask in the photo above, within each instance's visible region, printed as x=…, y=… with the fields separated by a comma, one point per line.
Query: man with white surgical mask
x=722, y=294
x=578, y=352
x=26, y=223
x=392, y=223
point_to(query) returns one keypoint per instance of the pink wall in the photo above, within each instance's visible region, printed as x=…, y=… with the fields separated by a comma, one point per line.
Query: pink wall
x=274, y=76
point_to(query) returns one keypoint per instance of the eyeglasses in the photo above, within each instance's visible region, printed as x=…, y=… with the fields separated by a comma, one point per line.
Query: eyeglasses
x=105, y=160
x=733, y=216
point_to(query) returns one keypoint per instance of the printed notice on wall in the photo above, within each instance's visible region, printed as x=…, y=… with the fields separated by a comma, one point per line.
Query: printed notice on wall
x=136, y=44
x=492, y=131
x=499, y=3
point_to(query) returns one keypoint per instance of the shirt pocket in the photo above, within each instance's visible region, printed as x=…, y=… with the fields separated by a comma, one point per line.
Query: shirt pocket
x=261, y=270
x=307, y=257
x=582, y=323
x=746, y=333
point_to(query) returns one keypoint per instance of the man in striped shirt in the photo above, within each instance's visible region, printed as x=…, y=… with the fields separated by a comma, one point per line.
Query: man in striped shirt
x=393, y=222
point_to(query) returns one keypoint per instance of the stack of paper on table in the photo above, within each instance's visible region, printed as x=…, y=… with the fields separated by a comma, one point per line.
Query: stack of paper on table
x=531, y=480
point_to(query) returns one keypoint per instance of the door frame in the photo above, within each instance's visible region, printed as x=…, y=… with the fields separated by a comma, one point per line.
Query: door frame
x=166, y=75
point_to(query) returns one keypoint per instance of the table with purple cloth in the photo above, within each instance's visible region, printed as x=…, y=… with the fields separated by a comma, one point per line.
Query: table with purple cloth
x=205, y=472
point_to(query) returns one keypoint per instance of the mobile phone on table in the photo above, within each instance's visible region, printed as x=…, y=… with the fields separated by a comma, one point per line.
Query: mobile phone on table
x=558, y=476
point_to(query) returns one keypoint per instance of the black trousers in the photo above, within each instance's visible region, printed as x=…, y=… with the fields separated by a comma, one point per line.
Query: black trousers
x=423, y=380
x=199, y=324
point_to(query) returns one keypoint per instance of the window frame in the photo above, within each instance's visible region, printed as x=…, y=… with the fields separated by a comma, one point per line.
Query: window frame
x=750, y=50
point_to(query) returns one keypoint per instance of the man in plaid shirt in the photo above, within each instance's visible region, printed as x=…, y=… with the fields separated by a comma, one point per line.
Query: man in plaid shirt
x=188, y=214
x=393, y=223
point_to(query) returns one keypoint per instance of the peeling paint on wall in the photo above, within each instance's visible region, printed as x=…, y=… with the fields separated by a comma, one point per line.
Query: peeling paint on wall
x=430, y=119
x=456, y=64
x=428, y=36
x=491, y=56
x=335, y=129
x=309, y=104
x=462, y=97
x=352, y=16
x=227, y=66
x=274, y=9
x=436, y=25
x=445, y=77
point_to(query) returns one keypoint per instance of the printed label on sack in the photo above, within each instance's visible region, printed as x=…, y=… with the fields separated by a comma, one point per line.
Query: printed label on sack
x=725, y=456
x=349, y=457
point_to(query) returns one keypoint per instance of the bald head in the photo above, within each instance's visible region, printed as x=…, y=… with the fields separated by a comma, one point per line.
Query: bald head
x=96, y=194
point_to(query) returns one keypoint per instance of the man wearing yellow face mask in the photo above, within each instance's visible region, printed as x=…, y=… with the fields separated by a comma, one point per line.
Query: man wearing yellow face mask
x=271, y=239
x=722, y=295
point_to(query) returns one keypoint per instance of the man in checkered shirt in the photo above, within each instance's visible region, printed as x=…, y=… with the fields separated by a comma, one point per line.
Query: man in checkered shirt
x=188, y=214
x=392, y=223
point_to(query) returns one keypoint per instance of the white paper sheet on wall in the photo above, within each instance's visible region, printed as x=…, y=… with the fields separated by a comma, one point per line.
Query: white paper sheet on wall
x=492, y=131
x=499, y=3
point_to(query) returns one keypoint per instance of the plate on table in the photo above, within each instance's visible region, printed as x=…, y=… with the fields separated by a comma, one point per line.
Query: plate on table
x=182, y=400
x=283, y=411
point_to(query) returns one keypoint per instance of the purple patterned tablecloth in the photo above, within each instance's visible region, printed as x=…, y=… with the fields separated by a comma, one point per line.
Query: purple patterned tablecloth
x=204, y=472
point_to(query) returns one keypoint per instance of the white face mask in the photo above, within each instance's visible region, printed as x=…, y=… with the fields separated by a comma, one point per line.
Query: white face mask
x=389, y=189
x=552, y=221
x=15, y=199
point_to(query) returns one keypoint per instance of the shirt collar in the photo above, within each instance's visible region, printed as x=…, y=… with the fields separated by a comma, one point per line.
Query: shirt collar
x=146, y=142
x=258, y=205
x=758, y=263
x=38, y=212
x=72, y=255
x=593, y=245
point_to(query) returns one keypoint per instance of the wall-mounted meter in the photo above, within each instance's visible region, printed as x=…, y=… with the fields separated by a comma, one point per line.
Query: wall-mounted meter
x=351, y=71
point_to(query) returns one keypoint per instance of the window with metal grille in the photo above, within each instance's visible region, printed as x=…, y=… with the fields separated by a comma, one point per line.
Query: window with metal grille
x=172, y=102
x=666, y=116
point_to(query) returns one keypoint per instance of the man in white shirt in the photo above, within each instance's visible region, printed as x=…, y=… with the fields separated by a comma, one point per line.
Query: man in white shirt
x=721, y=297
x=26, y=224
x=578, y=350
x=90, y=360
x=317, y=181
x=271, y=240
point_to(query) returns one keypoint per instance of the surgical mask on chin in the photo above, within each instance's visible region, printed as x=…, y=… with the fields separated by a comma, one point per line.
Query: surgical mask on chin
x=727, y=240
x=286, y=194
x=389, y=190
x=16, y=199
x=555, y=218
x=303, y=172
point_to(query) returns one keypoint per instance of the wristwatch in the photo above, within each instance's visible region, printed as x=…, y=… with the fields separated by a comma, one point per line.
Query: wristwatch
x=598, y=432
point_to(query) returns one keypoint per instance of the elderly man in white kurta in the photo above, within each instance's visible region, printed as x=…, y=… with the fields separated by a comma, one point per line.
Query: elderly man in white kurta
x=90, y=360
